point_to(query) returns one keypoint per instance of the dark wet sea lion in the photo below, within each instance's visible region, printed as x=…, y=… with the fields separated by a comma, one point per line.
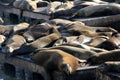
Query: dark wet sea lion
x=110, y=66
x=113, y=55
x=56, y=60
x=99, y=10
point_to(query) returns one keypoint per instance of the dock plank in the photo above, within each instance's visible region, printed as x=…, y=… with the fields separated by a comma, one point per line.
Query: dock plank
x=24, y=64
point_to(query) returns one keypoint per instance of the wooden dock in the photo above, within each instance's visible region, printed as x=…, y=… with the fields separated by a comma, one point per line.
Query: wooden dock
x=91, y=72
x=24, y=13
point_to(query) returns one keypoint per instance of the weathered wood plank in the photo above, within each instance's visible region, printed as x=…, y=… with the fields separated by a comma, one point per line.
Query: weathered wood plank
x=35, y=15
x=24, y=13
x=24, y=64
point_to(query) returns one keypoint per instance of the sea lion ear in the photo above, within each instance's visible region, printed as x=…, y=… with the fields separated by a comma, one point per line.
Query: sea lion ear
x=66, y=68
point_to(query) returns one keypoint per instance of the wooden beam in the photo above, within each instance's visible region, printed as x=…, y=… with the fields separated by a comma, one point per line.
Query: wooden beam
x=24, y=64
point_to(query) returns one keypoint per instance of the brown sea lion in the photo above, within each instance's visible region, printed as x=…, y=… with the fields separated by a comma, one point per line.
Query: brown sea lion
x=6, y=30
x=110, y=66
x=102, y=57
x=112, y=43
x=56, y=60
x=13, y=43
x=20, y=27
x=97, y=41
x=75, y=51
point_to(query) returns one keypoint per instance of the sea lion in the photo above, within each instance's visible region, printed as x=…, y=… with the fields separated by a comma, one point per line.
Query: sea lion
x=110, y=66
x=59, y=22
x=78, y=28
x=6, y=30
x=99, y=10
x=68, y=40
x=13, y=43
x=20, y=27
x=46, y=41
x=113, y=55
x=56, y=60
x=37, y=31
x=112, y=43
x=75, y=51
x=97, y=41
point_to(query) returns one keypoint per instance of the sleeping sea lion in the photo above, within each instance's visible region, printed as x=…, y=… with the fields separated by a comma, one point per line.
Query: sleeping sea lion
x=113, y=55
x=13, y=43
x=112, y=43
x=99, y=10
x=75, y=51
x=37, y=31
x=56, y=60
x=45, y=41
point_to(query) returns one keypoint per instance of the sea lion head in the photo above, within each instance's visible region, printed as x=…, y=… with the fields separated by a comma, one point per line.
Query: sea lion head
x=66, y=68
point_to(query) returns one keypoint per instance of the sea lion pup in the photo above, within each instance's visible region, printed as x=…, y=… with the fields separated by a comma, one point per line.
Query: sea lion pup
x=99, y=10
x=46, y=41
x=13, y=43
x=112, y=43
x=113, y=55
x=56, y=60
x=110, y=66
x=75, y=51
